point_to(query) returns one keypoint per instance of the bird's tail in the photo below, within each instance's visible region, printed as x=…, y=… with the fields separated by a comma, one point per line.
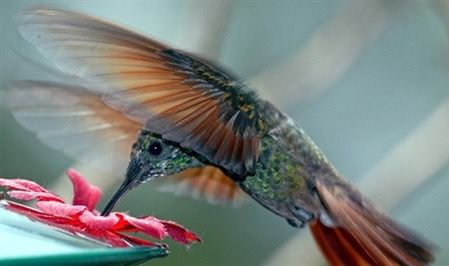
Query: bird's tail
x=362, y=235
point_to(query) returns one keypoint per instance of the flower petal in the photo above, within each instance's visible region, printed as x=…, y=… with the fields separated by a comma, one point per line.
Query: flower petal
x=30, y=195
x=179, y=233
x=66, y=223
x=73, y=225
x=83, y=192
x=135, y=241
x=61, y=209
x=148, y=225
x=98, y=222
x=21, y=184
x=112, y=238
x=82, y=219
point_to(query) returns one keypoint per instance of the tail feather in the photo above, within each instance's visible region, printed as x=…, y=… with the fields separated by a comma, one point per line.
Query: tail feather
x=363, y=235
x=339, y=247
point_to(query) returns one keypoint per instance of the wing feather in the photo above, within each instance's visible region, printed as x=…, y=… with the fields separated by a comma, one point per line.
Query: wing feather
x=206, y=182
x=75, y=121
x=165, y=90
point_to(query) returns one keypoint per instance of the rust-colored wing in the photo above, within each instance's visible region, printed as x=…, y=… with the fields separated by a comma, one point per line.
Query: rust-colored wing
x=174, y=94
x=73, y=120
x=362, y=235
x=206, y=182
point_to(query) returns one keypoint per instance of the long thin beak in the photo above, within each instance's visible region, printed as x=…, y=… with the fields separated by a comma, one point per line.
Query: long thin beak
x=132, y=178
x=124, y=187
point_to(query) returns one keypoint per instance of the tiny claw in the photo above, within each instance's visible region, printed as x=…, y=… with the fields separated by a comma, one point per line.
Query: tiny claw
x=296, y=223
x=302, y=214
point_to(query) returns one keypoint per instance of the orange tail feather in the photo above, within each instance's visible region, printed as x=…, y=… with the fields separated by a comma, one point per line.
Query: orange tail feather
x=337, y=246
x=362, y=235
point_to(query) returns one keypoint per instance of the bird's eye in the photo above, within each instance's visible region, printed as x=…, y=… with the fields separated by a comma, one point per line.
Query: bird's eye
x=155, y=148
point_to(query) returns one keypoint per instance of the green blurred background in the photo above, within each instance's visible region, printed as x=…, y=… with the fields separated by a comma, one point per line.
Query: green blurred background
x=364, y=79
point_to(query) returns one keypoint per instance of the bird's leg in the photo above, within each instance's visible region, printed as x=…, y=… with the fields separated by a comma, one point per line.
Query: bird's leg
x=301, y=217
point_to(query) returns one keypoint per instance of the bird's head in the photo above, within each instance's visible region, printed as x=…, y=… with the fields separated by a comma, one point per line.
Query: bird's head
x=151, y=157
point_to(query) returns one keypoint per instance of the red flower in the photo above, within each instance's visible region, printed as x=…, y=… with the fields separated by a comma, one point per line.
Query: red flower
x=81, y=218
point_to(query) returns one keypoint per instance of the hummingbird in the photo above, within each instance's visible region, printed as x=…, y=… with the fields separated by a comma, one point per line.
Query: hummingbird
x=191, y=120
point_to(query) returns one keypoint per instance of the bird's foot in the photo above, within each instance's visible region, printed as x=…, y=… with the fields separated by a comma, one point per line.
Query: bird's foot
x=301, y=217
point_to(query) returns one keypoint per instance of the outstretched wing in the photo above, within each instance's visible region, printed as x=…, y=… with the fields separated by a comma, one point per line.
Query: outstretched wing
x=174, y=94
x=73, y=120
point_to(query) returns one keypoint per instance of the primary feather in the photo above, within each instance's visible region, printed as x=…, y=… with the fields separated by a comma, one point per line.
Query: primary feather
x=176, y=95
